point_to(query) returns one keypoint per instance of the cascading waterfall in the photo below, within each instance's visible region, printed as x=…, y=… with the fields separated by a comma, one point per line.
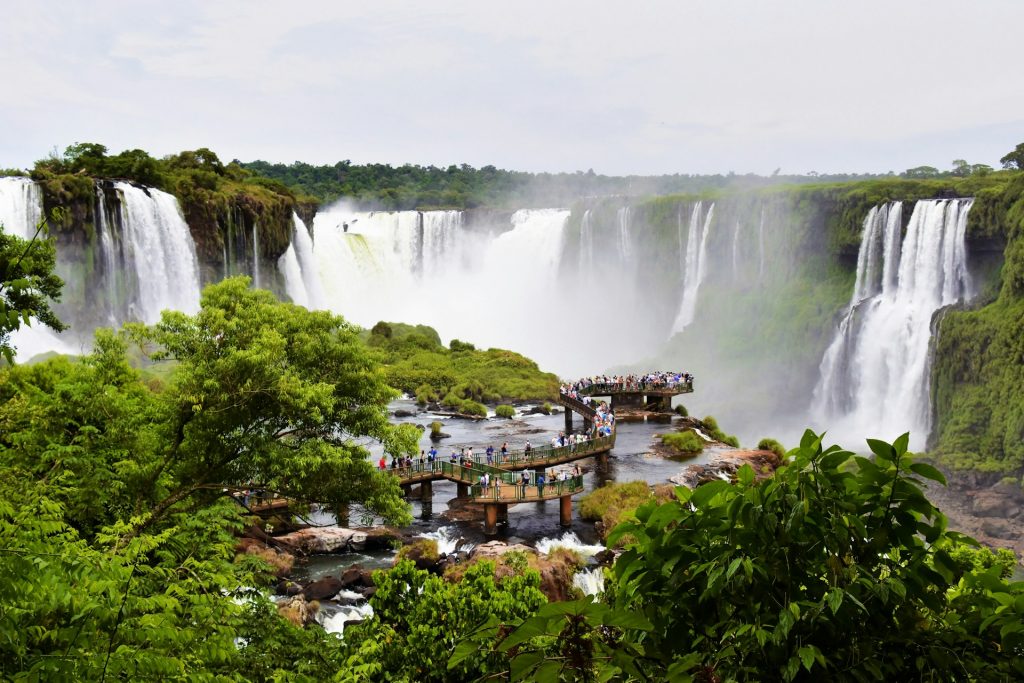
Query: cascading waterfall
x=157, y=247
x=298, y=265
x=21, y=206
x=426, y=268
x=586, y=255
x=589, y=581
x=696, y=265
x=625, y=241
x=874, y=376
x=256, y=258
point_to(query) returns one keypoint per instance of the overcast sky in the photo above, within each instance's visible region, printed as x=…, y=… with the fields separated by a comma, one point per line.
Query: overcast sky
x=641, y=87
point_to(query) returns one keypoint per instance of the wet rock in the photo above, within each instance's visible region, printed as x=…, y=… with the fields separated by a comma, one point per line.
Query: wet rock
x=322, y=589
x=280, y=560
x=495, y=549
x=298, y=611
x=288, y=587
x=401, y=412
x=325, y=539
x=356, y=577
x=381, y=537
x=724, y=466
x=1000, y=528
x=992, y=504
x=605, y=557
x=421, y=427
x=437, y=436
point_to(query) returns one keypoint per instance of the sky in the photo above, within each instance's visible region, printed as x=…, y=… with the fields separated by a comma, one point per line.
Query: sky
x=621, y=88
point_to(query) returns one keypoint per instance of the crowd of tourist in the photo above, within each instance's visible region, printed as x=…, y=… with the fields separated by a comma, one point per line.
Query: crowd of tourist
x=580, y=389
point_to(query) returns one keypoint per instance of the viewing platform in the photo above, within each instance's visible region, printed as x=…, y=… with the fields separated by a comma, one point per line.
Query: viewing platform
x=650, y=397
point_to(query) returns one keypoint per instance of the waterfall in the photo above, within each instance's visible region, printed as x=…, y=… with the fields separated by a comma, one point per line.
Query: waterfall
x=21, y=206
x=298, y=265
x=428, y=268
x=874, y=375
x=696, y=265
x=624, y=242
x=586, y=255
x=157, y=248
x=589, y=581
x=256, y=256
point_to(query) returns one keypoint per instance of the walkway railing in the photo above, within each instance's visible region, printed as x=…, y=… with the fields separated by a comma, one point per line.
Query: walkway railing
x=517, y=492
x=585, y=409
x=606, y=388
x=517, y=459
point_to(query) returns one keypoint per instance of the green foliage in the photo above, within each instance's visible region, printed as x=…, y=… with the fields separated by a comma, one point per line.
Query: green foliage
x=1014, y=159
x=686, y=442
x=682, y=411
x=420, y=619
x=461, y=376
x=425, y=548
x=767, y=444
x=435, y=428
x=505, y=411
x=616, y=502
x=27, y=283
x=545, y=408
x=821, y=568
x=712, y=429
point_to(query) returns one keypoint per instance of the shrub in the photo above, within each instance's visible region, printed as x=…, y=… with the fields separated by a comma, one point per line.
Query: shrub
x=435, y=428
x=473, y=408
x=505, y=411
x=684, y=442
x=772, y=445
x=682, y=411
x=731, y=441
x=546, y=408
x=421, y=548
x=710, y=423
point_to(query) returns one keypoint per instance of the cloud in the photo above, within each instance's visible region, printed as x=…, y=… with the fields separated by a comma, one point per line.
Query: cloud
x=652, y=88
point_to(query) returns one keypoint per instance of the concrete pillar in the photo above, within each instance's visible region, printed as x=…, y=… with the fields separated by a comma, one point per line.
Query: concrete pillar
x=490, y=518
x=602, y=460
x=568, y=421
x=565, y=511
x=461, y=490
x=427, y=491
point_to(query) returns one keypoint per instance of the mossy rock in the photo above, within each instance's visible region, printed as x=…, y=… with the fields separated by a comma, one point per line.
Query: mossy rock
x=506, y=411
x=684, y=443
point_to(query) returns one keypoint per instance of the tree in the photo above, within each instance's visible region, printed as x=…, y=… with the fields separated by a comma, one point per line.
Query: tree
x=961, y=168
x=1014, y=159
x=27, y=283
x=836, y=568
x=420, y=618
x=269, y=393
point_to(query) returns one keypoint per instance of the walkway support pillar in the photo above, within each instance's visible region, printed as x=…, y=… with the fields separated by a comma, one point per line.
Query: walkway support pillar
x=602, y=460
x=490, y=518
x=426, y=491
x=565, y=511
x=568, y=421
x=502, y=513
x=461, y=490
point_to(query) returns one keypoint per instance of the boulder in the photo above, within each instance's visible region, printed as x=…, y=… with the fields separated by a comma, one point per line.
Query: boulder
x=381, y=537
x=437, y=436
x=991, y=504
x=1000, y=528
x=298, y=611
x=495, y=549
x=322, y=589
x=325, y=539
x=401, y=412
x=288, y=587
x=356, y=577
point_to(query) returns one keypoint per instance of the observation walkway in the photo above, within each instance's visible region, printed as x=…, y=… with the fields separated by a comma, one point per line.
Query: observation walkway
x=632, y=395
x=506, y=474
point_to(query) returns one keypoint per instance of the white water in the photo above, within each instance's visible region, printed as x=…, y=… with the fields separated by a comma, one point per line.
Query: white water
x=586, y=254
x=157, y=246
x=569, y=541
x=427, y=268
x=21, y=206
x=695, y=267
x=21, y=209
x=736, y=251
x=625, y=241
x=448, y=540
x=298, y=265
x=333, y=621
x=589, y=581
x=760, y=244
x=874, y=377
